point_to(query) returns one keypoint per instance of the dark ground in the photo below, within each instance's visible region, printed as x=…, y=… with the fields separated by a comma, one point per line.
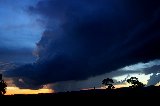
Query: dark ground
x=123, y=94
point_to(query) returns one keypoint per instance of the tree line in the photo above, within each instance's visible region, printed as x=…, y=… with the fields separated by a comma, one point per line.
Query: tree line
x=135, y=83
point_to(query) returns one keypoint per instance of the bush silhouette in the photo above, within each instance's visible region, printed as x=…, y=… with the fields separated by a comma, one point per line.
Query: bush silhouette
x=108, y=82
x=135, y=83
x=3, y=86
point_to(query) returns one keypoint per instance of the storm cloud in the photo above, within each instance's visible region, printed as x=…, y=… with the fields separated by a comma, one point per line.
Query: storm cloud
x=155, y=77
x=84, y=38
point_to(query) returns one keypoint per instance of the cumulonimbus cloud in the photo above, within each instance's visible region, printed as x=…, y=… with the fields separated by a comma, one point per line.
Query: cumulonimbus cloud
x=84, y=38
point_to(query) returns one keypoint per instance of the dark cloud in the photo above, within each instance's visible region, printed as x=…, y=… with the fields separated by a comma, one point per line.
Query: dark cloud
x=84, y=38
x=153, y=69
x=155, y=77
x=22, y=55
x=7, y=66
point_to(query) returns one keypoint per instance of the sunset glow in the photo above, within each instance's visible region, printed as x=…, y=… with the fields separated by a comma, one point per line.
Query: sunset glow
x=16, y=90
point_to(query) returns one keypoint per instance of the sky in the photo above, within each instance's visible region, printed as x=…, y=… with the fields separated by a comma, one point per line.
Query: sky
x=18, y=31
x=75, y=44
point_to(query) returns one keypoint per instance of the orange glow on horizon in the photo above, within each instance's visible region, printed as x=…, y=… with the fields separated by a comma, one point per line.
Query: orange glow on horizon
x=16, y=90
x=116, y=86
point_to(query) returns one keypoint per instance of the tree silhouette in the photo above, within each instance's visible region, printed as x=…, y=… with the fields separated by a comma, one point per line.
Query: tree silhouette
x=108, y=82
x=135, y=83
x=3, y=86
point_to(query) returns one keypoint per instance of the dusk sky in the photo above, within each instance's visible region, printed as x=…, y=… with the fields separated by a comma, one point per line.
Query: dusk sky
x=65, y=45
